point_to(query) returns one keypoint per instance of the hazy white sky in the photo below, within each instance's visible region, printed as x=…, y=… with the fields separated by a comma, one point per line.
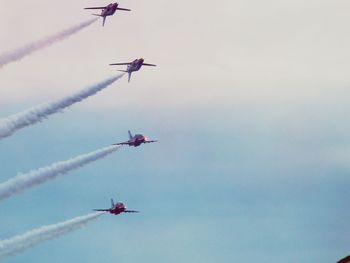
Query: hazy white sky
x=227, y=51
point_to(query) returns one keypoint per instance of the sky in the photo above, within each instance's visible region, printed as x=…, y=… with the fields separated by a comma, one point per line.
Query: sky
x=249, y=102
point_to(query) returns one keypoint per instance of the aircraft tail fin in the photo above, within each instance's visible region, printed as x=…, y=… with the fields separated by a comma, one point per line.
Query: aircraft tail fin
x=129, y=76
x=104, y=19
x=130, y=135
x=112, y=202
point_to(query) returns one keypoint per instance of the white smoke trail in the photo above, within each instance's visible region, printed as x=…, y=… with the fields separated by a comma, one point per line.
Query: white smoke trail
x=34, y=237
x=36, y=114
x=25, y=181
x=20, y=53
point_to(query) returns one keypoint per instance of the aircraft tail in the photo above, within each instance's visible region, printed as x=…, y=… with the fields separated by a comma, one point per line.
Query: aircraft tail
x=104, y=18
x=112, y=202
x=125, y=71
x=130, y=135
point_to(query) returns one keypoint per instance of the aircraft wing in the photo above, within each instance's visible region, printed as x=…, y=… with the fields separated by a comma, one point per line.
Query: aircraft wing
x=123, y=9
x=100, y=7
x=146, y=64
x=150, y=141
x=120, y=64
x=103, y=210
x=131, y=211
x=121, y=143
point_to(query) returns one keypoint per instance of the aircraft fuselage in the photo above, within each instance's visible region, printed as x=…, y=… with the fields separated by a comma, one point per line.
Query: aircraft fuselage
x=135, y=65
x=109, y=10
x=137, y=140
x=117, y=209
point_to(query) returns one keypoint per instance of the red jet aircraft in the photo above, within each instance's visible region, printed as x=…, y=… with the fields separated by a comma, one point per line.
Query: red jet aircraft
x=116, y=209
x=133, y=66
x=108, y=10
x=135, y=141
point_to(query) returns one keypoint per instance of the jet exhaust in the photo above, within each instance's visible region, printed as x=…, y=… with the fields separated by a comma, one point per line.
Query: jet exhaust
x=28, y=180
x=22, y=52
x=38, y=113
x=36, y=236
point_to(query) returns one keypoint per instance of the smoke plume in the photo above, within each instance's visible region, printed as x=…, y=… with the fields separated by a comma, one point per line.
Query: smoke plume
x=20, y=53
x=25, y=181
x=34, y=237
x=38, y=113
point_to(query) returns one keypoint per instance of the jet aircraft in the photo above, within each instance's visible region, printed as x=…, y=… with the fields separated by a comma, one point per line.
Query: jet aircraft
x=108, y=10
x=116, y=209
x=135, y=140
x=133, y=66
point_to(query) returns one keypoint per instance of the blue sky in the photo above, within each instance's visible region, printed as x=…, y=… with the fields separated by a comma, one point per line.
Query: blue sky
x=249, y=104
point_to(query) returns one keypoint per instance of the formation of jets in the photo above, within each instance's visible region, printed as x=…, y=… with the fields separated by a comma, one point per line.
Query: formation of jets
x=135, y=65
x=116, y=209
x=108, y=10
x=119, y=207
x=131, y=67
